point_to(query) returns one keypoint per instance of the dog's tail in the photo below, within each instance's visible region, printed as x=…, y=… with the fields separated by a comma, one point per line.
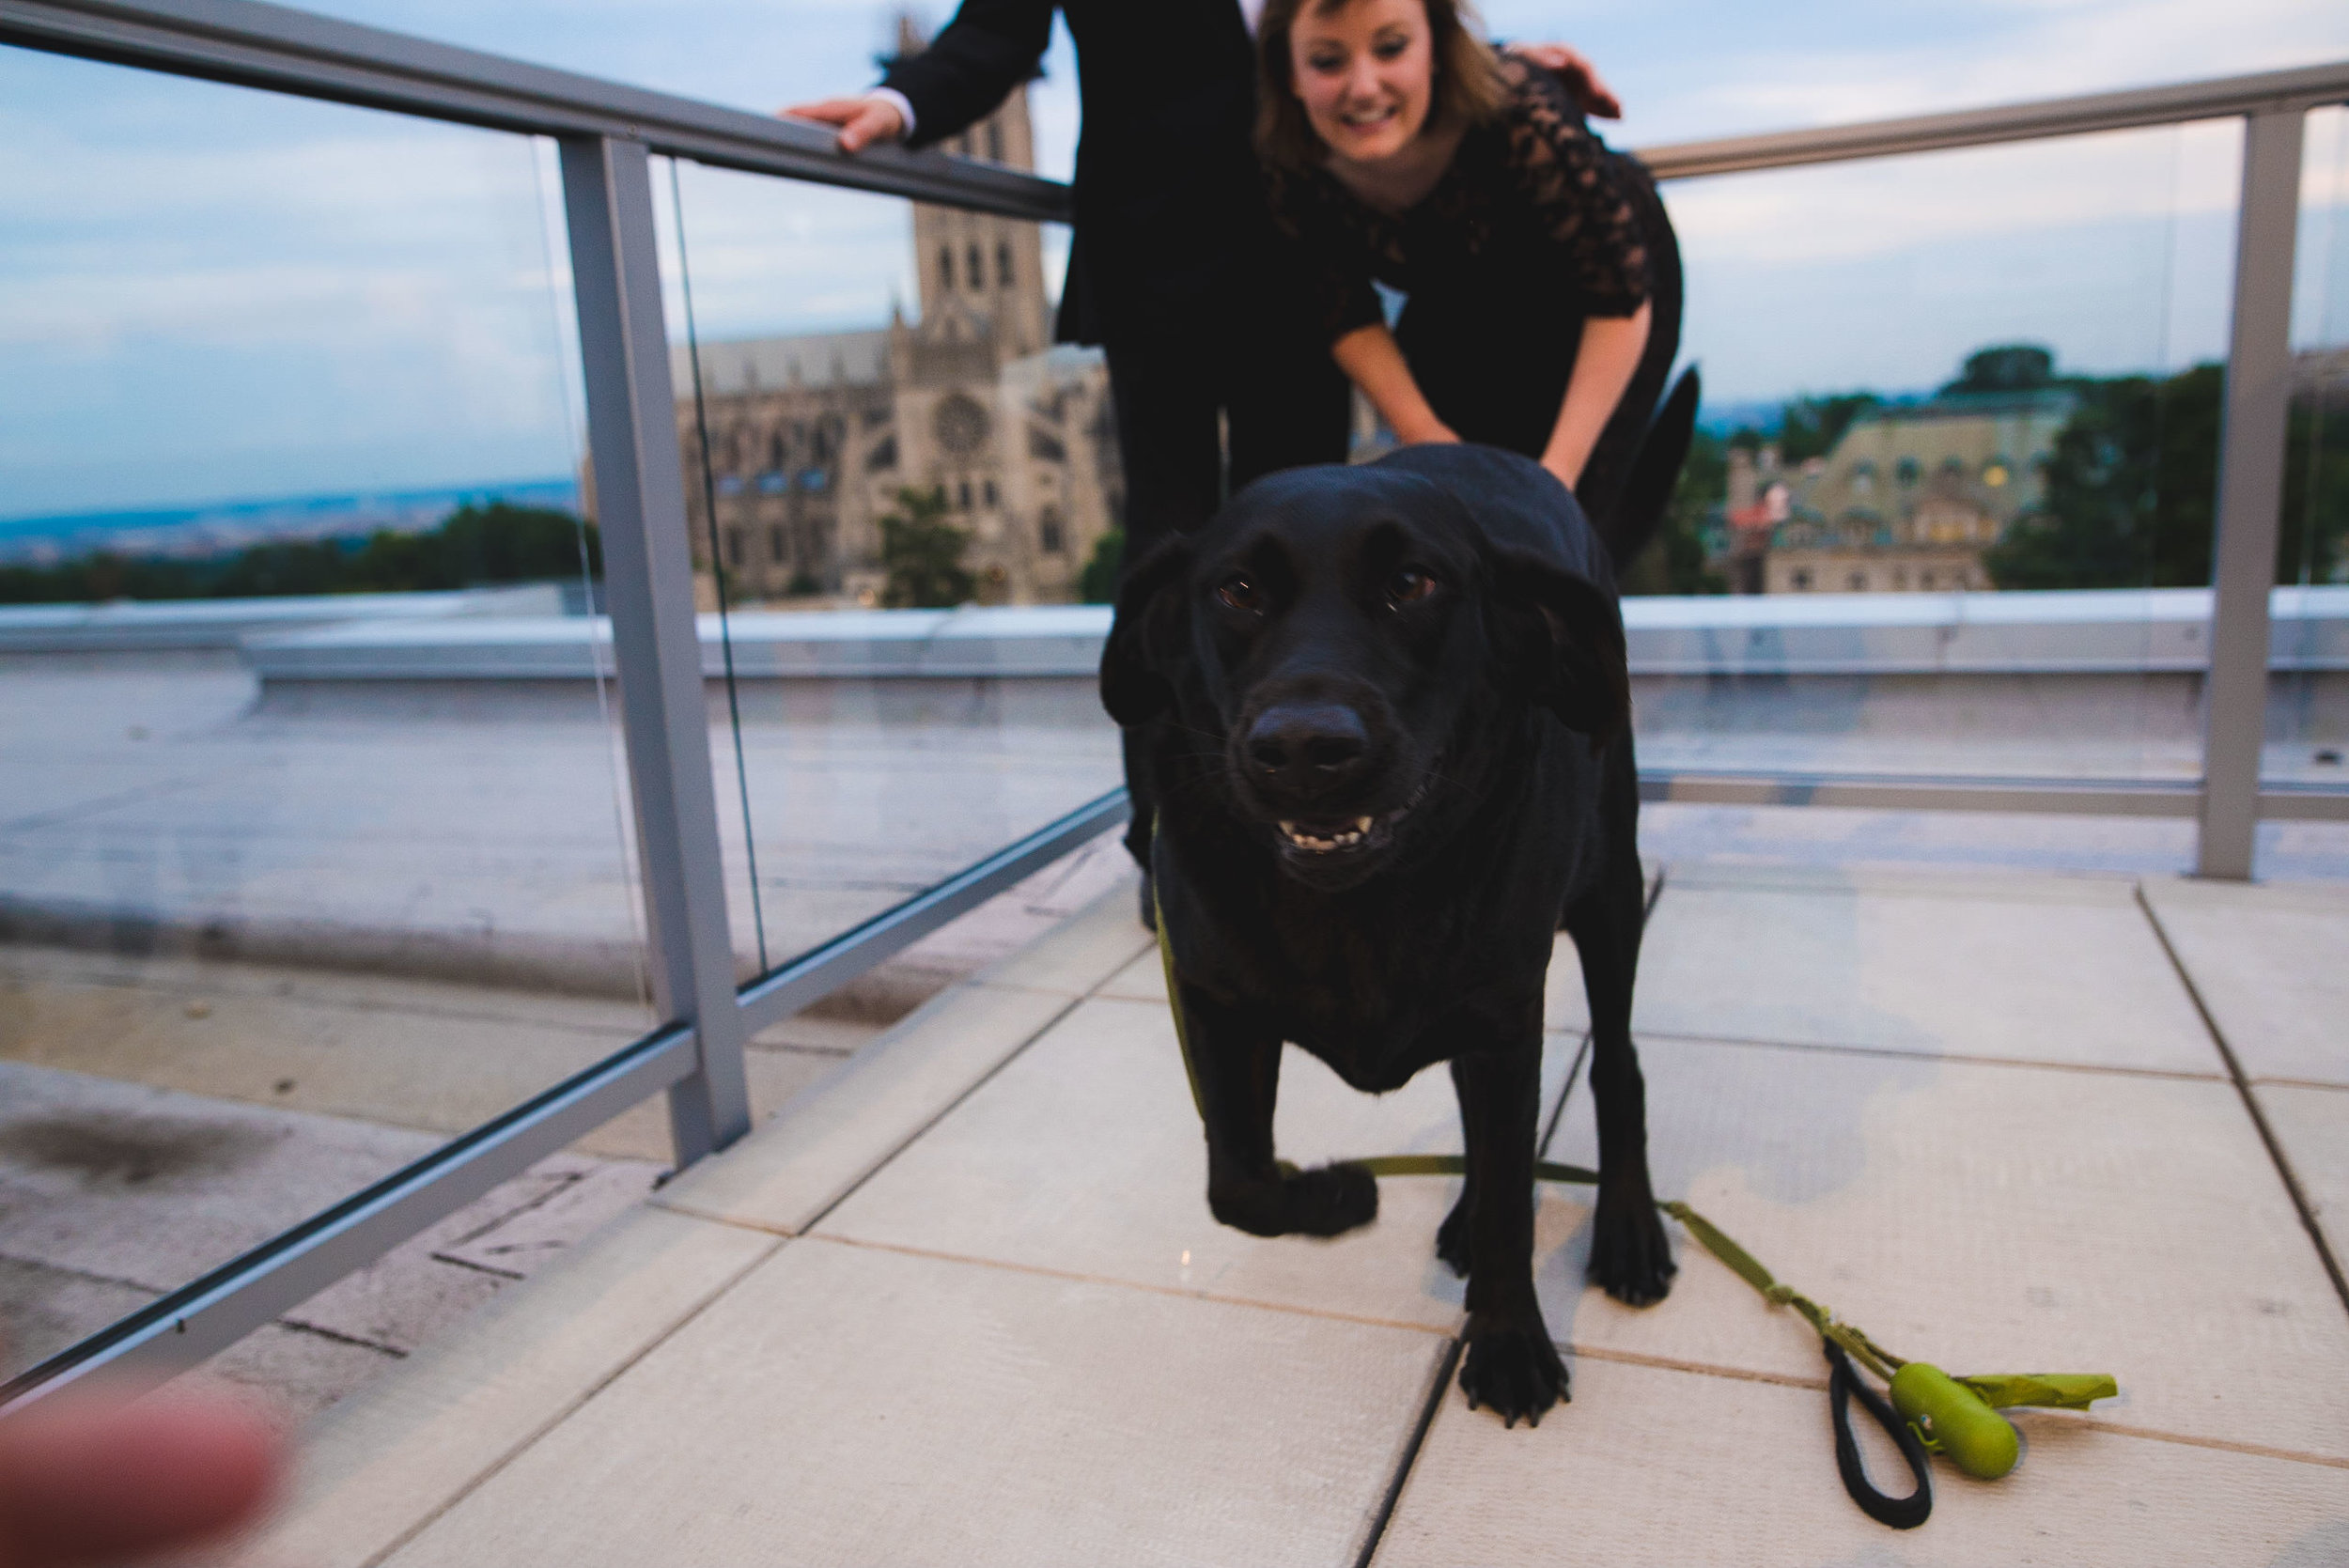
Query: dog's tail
x=1647, y=488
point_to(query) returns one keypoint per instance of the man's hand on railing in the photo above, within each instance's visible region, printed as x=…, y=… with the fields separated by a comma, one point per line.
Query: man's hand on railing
x=1596, y=99
x=862, y=120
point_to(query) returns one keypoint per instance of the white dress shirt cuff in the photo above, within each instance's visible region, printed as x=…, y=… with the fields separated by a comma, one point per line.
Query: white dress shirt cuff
x=898, y=102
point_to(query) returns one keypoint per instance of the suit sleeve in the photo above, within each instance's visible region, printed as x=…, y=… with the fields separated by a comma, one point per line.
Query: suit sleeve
x=990, y=47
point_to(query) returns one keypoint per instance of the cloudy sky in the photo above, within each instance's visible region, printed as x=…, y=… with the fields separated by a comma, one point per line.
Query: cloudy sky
x=207, y=293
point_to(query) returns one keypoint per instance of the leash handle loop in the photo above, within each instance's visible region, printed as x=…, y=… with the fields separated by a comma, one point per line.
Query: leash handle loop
x=1843, y=1386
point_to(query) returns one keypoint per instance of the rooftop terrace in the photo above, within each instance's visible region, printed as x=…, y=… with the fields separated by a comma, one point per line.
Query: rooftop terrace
x=961, y=1300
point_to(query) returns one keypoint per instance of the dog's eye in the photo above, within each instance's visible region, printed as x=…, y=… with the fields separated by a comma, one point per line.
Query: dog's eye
x=1410, y=585
x=1239, y=592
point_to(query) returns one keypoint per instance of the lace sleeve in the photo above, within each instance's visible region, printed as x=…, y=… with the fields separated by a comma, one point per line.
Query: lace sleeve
x=1333, y=262
x=1577, y=190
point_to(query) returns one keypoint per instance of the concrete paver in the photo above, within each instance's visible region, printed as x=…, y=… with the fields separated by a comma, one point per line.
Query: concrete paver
x=113, y=1194
x=1655, y=1466
x=1985, y=1217
x=2272, y=965
x=401, y=1450
x=835, y=1134
x=849, y=1405
x=151, y=1189
x=2313, y=1125
x=2032, y=969
x=1084, y=1156
x=994, y=1348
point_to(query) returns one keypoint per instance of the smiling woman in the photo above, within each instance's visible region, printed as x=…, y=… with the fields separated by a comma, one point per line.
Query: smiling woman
x=1402, y=152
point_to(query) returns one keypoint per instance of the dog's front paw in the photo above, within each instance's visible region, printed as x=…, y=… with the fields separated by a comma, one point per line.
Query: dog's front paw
x=1512, y=1369
x=1632, y=1259
x=1326, y=1201
x=1452, y=1236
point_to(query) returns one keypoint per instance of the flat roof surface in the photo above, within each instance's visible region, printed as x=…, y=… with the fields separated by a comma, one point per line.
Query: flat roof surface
x=961, y=1302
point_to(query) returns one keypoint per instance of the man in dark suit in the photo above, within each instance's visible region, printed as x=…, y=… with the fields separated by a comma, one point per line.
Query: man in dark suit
x=1219, y=370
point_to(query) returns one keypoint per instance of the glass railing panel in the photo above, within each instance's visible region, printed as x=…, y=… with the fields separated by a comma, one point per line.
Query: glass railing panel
x=901, y=491
x=1949, y=513
x=313, y=826
x=2307, y=728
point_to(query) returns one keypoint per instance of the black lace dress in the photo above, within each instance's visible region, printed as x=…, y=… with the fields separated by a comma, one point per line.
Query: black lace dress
x=1533, y=229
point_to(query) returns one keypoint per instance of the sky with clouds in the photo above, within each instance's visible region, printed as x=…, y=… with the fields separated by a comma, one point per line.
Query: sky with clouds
x=209, y=293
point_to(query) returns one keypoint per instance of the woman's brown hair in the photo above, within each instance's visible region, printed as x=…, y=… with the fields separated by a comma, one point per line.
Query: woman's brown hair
x=1468, y=86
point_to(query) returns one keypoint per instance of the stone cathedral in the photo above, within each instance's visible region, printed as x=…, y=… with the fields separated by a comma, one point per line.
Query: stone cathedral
x=811, y=437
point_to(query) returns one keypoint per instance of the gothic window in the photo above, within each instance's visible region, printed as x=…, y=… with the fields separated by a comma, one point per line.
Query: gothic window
x=995, y=141
x=778, y=544
x=964, y=497
x=1048, y=533
x=1907, y=470
x=987, y=492
x=1002, y=263
x=946, y=266
x=960, y=424
x=977, y=274
x=734, y=547
x=774, y=450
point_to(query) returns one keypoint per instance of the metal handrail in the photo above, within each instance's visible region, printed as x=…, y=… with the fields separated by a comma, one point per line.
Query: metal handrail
x=306, y=55
x=289, y=51
x=2266, y=92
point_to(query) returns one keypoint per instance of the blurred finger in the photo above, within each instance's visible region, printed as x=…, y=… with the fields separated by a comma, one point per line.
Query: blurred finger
x=830, y=111
x=86, y=1478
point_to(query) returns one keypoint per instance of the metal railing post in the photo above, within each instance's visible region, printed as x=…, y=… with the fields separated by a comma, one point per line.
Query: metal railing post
x=648, y=577
x=2250, y=492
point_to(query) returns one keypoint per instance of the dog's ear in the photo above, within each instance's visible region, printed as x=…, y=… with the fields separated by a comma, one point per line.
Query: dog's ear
x=1146, y=633
x=1575, y=664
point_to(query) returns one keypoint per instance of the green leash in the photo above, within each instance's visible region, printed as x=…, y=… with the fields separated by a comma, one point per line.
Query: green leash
x=1955, y=1417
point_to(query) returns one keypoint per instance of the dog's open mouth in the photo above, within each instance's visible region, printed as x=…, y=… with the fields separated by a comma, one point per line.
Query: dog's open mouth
x=1315, y=837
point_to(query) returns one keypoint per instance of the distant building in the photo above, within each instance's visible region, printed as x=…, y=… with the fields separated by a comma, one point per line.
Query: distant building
x=811, y=437
x=1908, y=500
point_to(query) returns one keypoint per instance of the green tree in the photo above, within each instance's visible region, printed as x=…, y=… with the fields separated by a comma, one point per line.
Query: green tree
x=476, y=545
x=1674, y=562
x=2005, y=367
x=2311, y=546
x=2131, y=485
x=1808, y=427
x=1098, y=582
x=922, y=552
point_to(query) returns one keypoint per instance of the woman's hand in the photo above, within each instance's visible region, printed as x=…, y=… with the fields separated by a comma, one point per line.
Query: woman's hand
x=1603, y=367
x=1592, y=95
x=1373, y=361
x=862, y=122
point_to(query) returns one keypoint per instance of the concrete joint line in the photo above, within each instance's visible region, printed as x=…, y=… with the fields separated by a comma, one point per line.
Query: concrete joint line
x=944, y=1112
x=497, y=1466
x=2250, y=1103
x=1410, y=1457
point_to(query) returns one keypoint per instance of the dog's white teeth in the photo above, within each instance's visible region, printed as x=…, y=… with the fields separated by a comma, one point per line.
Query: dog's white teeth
x=1289, y=828
x=1362, y=826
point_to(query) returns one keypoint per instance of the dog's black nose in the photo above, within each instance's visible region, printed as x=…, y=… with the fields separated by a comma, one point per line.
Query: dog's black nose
x=1307, y=750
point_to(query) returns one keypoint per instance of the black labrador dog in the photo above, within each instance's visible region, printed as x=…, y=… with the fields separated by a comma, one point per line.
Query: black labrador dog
x=1389, y=730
